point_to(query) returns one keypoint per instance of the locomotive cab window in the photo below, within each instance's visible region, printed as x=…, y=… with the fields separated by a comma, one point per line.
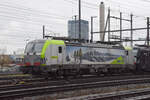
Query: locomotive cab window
x=59, y=49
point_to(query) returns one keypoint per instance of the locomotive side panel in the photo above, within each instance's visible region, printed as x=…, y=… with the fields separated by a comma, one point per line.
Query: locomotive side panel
x=92, y=55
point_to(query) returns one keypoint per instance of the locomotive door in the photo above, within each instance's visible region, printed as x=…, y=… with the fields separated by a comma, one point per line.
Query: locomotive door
x=60, y=55
x=129, y=59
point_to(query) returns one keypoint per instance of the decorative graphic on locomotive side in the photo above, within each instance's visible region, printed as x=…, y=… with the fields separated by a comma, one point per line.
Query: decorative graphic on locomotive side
x=88, y=55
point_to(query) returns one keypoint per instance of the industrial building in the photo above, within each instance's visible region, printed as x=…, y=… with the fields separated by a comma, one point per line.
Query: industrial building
x=73, y=29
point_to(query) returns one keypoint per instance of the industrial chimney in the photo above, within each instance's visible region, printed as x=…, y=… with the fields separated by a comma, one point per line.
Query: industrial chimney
x=102, y=21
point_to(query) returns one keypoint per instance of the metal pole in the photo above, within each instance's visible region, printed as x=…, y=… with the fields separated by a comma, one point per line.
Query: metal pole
x=105, y=26
x=148, y=31
x=121, y=27
x=79, y=20
x=75, y=26
x=92, y=17
x=91, y=29
x=131, y=30
x=108, y=24
x=43, y=31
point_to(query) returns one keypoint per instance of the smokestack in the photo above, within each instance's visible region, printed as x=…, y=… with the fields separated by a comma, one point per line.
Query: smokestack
x=102, y=20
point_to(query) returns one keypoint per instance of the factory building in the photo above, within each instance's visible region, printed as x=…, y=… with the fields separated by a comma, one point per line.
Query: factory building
x=73, y=29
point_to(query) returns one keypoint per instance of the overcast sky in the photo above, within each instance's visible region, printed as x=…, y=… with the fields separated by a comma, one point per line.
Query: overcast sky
x=22, y=20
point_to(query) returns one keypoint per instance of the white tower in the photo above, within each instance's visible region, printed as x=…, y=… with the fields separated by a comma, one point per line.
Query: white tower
x=102, y=21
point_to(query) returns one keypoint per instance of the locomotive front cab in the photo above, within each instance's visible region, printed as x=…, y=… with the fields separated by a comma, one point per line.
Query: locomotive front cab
x=33, y=53
x=41, y=55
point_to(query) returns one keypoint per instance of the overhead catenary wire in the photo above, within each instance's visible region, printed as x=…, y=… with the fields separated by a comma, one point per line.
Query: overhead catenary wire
x=127, y=5
x=28, y=19
x=131, y=4
x=91, y=4
x=29, y=15
x=29, y=10
x=84, y=4
x=116, y=2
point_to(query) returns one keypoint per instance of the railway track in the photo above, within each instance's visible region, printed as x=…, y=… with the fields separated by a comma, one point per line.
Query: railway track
x=62, y=86
x=12, y=79
x=134, y=94
x=38, y=82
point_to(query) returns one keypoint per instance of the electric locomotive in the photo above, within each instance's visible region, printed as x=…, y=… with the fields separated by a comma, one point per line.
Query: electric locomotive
x=61, y=58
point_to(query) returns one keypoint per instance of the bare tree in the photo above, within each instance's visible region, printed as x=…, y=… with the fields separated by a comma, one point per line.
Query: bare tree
x=2, y=56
